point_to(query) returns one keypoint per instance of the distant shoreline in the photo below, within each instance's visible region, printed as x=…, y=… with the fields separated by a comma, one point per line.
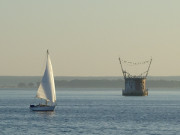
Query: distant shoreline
x=86, y=82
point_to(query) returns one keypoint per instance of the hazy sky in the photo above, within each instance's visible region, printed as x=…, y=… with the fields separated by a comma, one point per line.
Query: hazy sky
x=86, y=37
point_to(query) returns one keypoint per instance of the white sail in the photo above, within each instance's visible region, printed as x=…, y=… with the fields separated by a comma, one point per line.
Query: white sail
x=46, y=89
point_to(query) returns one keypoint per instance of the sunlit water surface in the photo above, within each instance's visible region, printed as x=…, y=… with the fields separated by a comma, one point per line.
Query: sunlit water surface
x=92, y=112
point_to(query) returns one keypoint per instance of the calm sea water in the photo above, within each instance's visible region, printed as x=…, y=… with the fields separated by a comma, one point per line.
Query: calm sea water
x=92, y=112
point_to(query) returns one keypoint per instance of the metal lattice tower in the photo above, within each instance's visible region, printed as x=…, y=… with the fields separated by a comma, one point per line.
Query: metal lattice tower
x=141, y=75
x=135, y=85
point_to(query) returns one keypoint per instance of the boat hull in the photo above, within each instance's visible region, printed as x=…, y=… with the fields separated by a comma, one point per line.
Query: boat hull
x=42, y=108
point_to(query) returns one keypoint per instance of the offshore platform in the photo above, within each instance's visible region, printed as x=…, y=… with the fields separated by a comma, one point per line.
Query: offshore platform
x=135, y=85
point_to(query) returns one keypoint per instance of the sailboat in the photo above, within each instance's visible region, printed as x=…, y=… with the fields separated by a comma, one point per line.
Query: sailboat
x=46, y=90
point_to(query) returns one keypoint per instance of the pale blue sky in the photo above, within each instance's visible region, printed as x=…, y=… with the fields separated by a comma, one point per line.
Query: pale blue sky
x=86, y=37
